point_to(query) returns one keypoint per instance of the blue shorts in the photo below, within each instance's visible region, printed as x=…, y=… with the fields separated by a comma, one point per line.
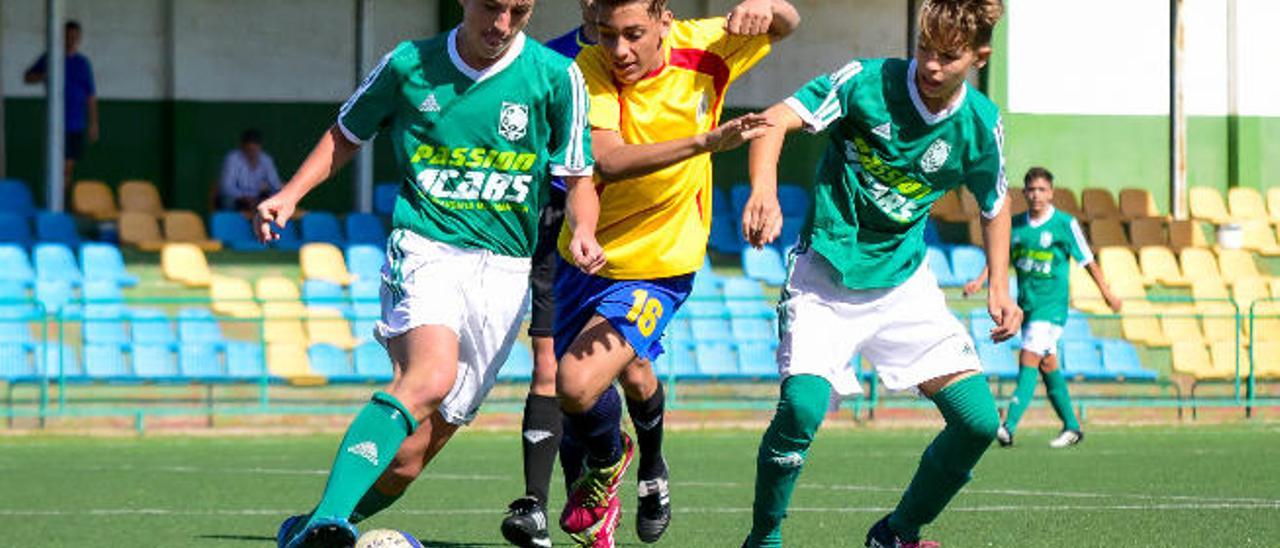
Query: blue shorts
x=637, y=309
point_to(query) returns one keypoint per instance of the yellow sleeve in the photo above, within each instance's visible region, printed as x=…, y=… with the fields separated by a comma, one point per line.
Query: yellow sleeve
x=605, y=112
x=740, y=53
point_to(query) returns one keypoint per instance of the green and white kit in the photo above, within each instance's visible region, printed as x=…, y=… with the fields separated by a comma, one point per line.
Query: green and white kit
x=1041, y=252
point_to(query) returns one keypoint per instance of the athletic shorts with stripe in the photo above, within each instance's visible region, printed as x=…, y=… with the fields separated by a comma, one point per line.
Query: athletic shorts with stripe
x=639, y=310
x=542, y=278
x=479, y=295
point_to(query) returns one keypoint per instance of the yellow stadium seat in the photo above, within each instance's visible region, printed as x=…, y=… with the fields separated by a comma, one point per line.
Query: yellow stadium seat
x=1139, y=323
x=1236, y=264
x=186, y=226
x=1184, y=234
x=1098, y=203
x=276, y=289
x=185, y=263
x=140, y=197
x=1137, y=203
x=1209, y=290
x=233, y=297
x=1218, y=321
x=1260, y=238
x=1207, y=205
x=1084, y=293
x=1246, y=204
x=1160, y=266
x=282, y=322
x=1122, y=272
x=949, y=208
x=1065, y=199
x=1223, y=356
x=1275, y=288
x=1147, y=232
x=140, y=230
x=94, y=199
x=322, y=261
x=1265, y=320
x=1181, y=325
x=1273, y=205
x=326, y=325
x=1199, y=264
x=1017, y=201
x=1191, y=358
x=1266, y=360
x=1106, y=233
x=290, y=362
x=1247, y=290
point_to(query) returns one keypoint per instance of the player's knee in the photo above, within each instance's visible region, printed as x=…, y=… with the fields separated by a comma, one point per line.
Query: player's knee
x=576, y=398
x=980, y=426
x=421, y=398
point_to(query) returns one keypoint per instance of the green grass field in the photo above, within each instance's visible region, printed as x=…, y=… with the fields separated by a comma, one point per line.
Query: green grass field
x=1157, y=486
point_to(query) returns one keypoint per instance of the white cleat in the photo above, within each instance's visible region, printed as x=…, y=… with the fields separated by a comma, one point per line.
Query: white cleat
x=1066, y=439
x=1004, y=436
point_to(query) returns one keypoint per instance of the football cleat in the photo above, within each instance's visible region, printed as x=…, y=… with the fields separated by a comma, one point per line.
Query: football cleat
x=326, y=533
x=526, y=524
x=1067, y=438
x=653, y=511
x=593, y=494
x=601, y=535
x=882, y=536
x=1004, y=436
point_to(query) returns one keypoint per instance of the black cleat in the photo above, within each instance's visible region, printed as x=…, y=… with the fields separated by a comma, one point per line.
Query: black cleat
x=526, y=524
x=653, y=513
x=883, y=536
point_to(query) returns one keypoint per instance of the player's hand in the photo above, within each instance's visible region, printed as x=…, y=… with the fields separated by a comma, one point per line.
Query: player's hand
x=761, y=219
x=972, y=288
x=1006, y=315
x=1113, y=302
x=750, y=18
x=274, y=210
x=735, y=132
x=587, y=253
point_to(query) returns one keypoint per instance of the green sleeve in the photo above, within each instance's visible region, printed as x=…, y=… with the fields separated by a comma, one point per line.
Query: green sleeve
x=570, y=144
x=985, y=178
x=373, y=104
x=826, y=98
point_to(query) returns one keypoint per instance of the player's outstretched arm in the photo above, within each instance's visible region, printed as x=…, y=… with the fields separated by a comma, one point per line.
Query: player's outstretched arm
x=777, y=18
x=617, y=160
x=329, y=155
x=1096, y=273
x=582, y=210
x=1006, y=314
x=762, y=215
x=975, y=285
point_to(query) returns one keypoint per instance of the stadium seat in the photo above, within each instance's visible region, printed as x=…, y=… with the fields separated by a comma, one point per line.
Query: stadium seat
x=1160, y=266
x=57, y=228
x=17, y=265
x=1120, y=360
x=289, y=238
x=1207, y=289
x=789, y=236
x=16, y=314
x=1191, y=358
x=234, y=231
x=105, y=361
x=140, y=197
x=948, y=208
x=1199, y=264
x=748, y=329
x=104, y=323
x=17, y=198
x=794, y=200
x=1107, y=233
x=60, y=360
x=140, y=230
x=94, y=199
x=331, y=362
x=997, y=359
x=739, y=193
x=678, y=360
x=765, y=265
x=17, y=362
x=1273, y=205
x=384, y=198
x=289, y=361
x=244, y=360
x=1140, y=323
x=1065, y=199
x=373, y=363
x=1218, y=321
x=187, y=227
x=1082, y=360
x=1207, y=205
x=742, y=289
x=941, y=267
x=200, y=361
x=283, y=324
x=104, y=262
x=1227, y=358
x=1184, y=234
x=1246, y=204
x=716, y=359
x=322, y=294
x=1266, y=360
x=15, y=229
x=1262, y=323
x=1098, y=204
x=154, y=362
x=56, y=262
x=1260, y=238
x=365, y=261
x=725, y=235
x=185, y=263
x=1121, y=270
x=1137, y=203
x=712, y=329
x=198, y=326
x=1084, y=292
x=758, y=360
x=322, y=226
x=276, y=289
x=518, y=367
x=1181, y=325
x=364, y=228
x=55, y=296
x=366, y=308
x=323, y=261
x=967, y=262
x=1147, y=232
x=1236, y=264
x=1017, y=202
x=151, y=326
x=969, y=204
x=1077, y=327
x=1248, y=289
x=233, y=297
x=326, y=325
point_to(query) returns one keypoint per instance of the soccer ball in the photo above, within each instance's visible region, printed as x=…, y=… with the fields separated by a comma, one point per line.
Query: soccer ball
x=387, y=538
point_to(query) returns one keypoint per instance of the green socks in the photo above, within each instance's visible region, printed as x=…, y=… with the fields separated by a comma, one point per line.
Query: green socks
x=1022, y=396
x=1056, y=385
x=972, y=420
x=371, y=503
x=801, y=409
x=367, y=449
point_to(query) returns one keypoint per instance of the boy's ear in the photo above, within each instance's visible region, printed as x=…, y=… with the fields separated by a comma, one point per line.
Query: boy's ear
x=982, y=54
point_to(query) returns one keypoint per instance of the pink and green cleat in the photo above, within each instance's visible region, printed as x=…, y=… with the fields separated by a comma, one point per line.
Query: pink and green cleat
x=883, y=536
x=603, y=533
x=595, y=494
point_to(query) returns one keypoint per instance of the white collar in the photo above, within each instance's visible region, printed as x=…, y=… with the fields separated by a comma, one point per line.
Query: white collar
x=1039, y=223
x=929, y=117
x=508, y=57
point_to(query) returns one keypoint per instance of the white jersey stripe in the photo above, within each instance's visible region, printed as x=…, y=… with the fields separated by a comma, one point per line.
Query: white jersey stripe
x=1081, y=243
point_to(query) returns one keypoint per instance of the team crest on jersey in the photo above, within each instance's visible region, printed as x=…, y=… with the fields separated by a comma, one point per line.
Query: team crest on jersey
x=1045, y=239
x=935, y=156
x=513, y=124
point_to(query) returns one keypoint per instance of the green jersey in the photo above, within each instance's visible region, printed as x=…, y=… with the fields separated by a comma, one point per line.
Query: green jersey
x=476, y=149
x=1041, y=255
x=888, y=160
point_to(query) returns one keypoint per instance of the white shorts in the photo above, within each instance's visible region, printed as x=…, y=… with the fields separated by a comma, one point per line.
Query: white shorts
x=906, y=332
x=1041, y=338
x=479, y=295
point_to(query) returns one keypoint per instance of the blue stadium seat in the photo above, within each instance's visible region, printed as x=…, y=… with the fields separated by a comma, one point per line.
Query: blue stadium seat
x=1120, y=358
x=712, y=329
x=15, y=229
x=764, y=265
x=104, y=324
x=716, y=359
x=997, y=359
x=758, y=360
x=102, y=291
x=794, y=200
x=322, y=226
x=941, y=267
x=1082, y=360
x=679, y=330
x=1077, y=327
x=56, y=296
x=57, y=228
x=366, y=308
x=931, y=235
x=199, y=361
x=677, y=359
x=17, y=265
x=105, y=361
x=245, y=360
x=980, y=325
x=725, y=234
x=198, y=326
x=56, y=262
x=331, y=362
x=324, y=294
x=13, y=292
x=233, y=230
x=60, y=360
x=17, y=361
x=17, y=198
x=519, y=365
x=967, y=262
x=365, y=261
x=743, y=289
x=364, y=228
x=372, y=362
x=104, y=262
x=739, y=193
x=289, y=239
x=384, y=198
x=748, y=329
x=154, y=362
x=151, y=326
x=790, y=235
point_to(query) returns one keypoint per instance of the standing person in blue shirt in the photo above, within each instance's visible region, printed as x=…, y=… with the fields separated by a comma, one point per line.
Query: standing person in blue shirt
x=80, y=98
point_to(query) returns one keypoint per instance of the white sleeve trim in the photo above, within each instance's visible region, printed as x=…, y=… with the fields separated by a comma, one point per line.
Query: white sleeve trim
x=566, y=171
x=1081, y=243
x=352, y=136
x=810, y=121
x=1002, y=183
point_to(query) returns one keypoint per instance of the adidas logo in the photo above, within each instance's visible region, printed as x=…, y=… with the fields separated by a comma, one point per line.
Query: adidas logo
x=789, y=460
x=536, y=436
x=884, y=131
x=429, y=104
x=367, y=450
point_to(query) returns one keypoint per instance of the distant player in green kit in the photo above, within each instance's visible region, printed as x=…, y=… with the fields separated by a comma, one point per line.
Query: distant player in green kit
x=480, y=119
x=901, y=133
x=1044, y=242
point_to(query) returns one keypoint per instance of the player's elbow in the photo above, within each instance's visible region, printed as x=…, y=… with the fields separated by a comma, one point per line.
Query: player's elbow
x=608, y=169
x=785, y=20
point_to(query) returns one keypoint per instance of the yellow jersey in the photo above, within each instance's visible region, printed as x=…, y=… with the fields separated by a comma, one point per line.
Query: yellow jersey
x=656, y=225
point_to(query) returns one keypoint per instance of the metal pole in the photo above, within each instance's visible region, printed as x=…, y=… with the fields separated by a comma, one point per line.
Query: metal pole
x=363, y=167
x=55, y=129
x=1177, y=115
x=2, y=145
x=911, y=28
x=1233, y=96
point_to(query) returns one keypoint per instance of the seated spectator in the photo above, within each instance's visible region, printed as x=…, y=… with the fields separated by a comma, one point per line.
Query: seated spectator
x=248, y=175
